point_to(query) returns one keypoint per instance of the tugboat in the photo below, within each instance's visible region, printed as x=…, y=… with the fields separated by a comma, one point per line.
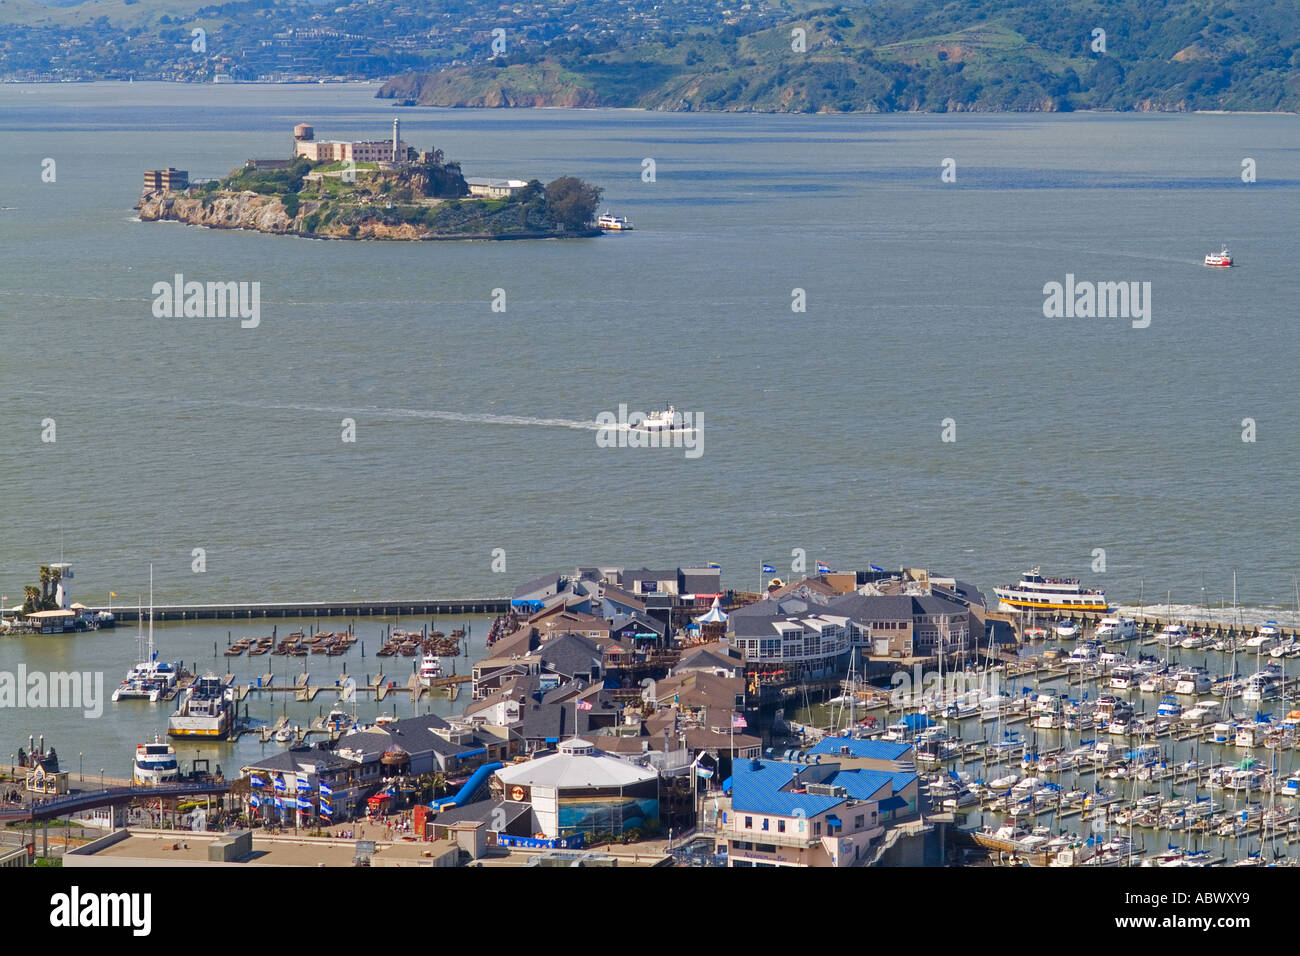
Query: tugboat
x=1222, y=258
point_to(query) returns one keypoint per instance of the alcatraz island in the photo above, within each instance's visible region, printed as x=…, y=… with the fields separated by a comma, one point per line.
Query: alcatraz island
x=381, y=189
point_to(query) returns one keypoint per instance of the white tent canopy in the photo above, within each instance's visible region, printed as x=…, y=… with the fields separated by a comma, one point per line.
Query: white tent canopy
x=714, y=615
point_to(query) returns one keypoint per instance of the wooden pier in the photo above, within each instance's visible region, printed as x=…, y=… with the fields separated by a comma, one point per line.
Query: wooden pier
x=306, y=609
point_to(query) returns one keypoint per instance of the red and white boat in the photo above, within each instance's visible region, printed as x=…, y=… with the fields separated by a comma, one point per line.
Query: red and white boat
x=1222, y=258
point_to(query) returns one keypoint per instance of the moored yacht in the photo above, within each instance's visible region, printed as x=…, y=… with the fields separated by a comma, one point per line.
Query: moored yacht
x=1116, y=629
x=1066, y=630
x=1193, y=680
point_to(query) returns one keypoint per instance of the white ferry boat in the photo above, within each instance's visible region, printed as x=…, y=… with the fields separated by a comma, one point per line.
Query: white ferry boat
x=658, y=421
x=1222, y=258
x=1036, y=592
x=155, y=763
x=430, y=670
x=206, y=709
x=615, y=223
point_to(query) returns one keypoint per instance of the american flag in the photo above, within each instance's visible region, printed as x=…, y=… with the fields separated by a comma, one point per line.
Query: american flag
x=738, y=720
x=584, y=705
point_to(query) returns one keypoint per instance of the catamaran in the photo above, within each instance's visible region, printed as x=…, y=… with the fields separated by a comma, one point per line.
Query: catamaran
x=150, y=678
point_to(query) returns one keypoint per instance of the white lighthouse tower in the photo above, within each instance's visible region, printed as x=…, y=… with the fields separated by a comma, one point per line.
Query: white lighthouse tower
x=63, y=591
x=397, y=140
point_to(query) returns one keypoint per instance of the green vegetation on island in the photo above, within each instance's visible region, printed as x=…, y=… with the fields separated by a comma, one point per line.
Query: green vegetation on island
x=413, y=200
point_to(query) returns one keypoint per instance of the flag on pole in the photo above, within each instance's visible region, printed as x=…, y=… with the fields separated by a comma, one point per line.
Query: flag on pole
x=874, y=568
x=584, y=705
x=112, y=594
x=256, y=781
x=280, y=784
x=823, y=568
x=704, y=772
x=737, y=720
x=254, y=801
x=325, y=789
x=768, y=569
x=326, y=810
x=715, y=566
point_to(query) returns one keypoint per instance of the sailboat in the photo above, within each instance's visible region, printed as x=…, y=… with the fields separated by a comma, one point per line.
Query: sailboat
x=150, y=678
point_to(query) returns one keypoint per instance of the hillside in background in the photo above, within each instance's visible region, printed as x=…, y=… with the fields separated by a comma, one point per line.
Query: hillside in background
x=880, y=56
x=908, y=55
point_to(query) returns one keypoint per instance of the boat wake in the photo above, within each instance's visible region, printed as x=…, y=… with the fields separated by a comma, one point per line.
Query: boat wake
x=1248, y=616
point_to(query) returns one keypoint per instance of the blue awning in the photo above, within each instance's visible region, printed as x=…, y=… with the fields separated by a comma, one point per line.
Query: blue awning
x=893, y=803
x=833, y=820
x=471, y=753
x=552, y=740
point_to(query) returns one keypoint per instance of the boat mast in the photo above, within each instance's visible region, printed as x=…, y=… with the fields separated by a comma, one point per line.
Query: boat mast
x=150, y=613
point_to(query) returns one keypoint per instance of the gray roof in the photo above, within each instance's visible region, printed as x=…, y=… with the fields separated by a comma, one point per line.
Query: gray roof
x=539, y=588
x=501, y=812
x=294, y=760
x=570, y=655
x=700, y=580
x=643, y=620
x=645, y=574
x=873, y=607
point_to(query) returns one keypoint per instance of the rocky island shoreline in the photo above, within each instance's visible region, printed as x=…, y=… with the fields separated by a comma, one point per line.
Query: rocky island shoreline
x=379, y=190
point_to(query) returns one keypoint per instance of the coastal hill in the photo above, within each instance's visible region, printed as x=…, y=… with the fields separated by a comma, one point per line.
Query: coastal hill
x=371, y=200
x=987, y=55
x=863, y=55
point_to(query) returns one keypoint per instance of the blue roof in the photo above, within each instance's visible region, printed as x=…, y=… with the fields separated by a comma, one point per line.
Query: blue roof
x=757, y=789
x=760, y=787
x=863, y=784
x=873, y=749
x=901, y=780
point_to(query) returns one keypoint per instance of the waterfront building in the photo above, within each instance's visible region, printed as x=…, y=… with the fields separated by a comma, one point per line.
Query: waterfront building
x=810, y=814
x=580, y=789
